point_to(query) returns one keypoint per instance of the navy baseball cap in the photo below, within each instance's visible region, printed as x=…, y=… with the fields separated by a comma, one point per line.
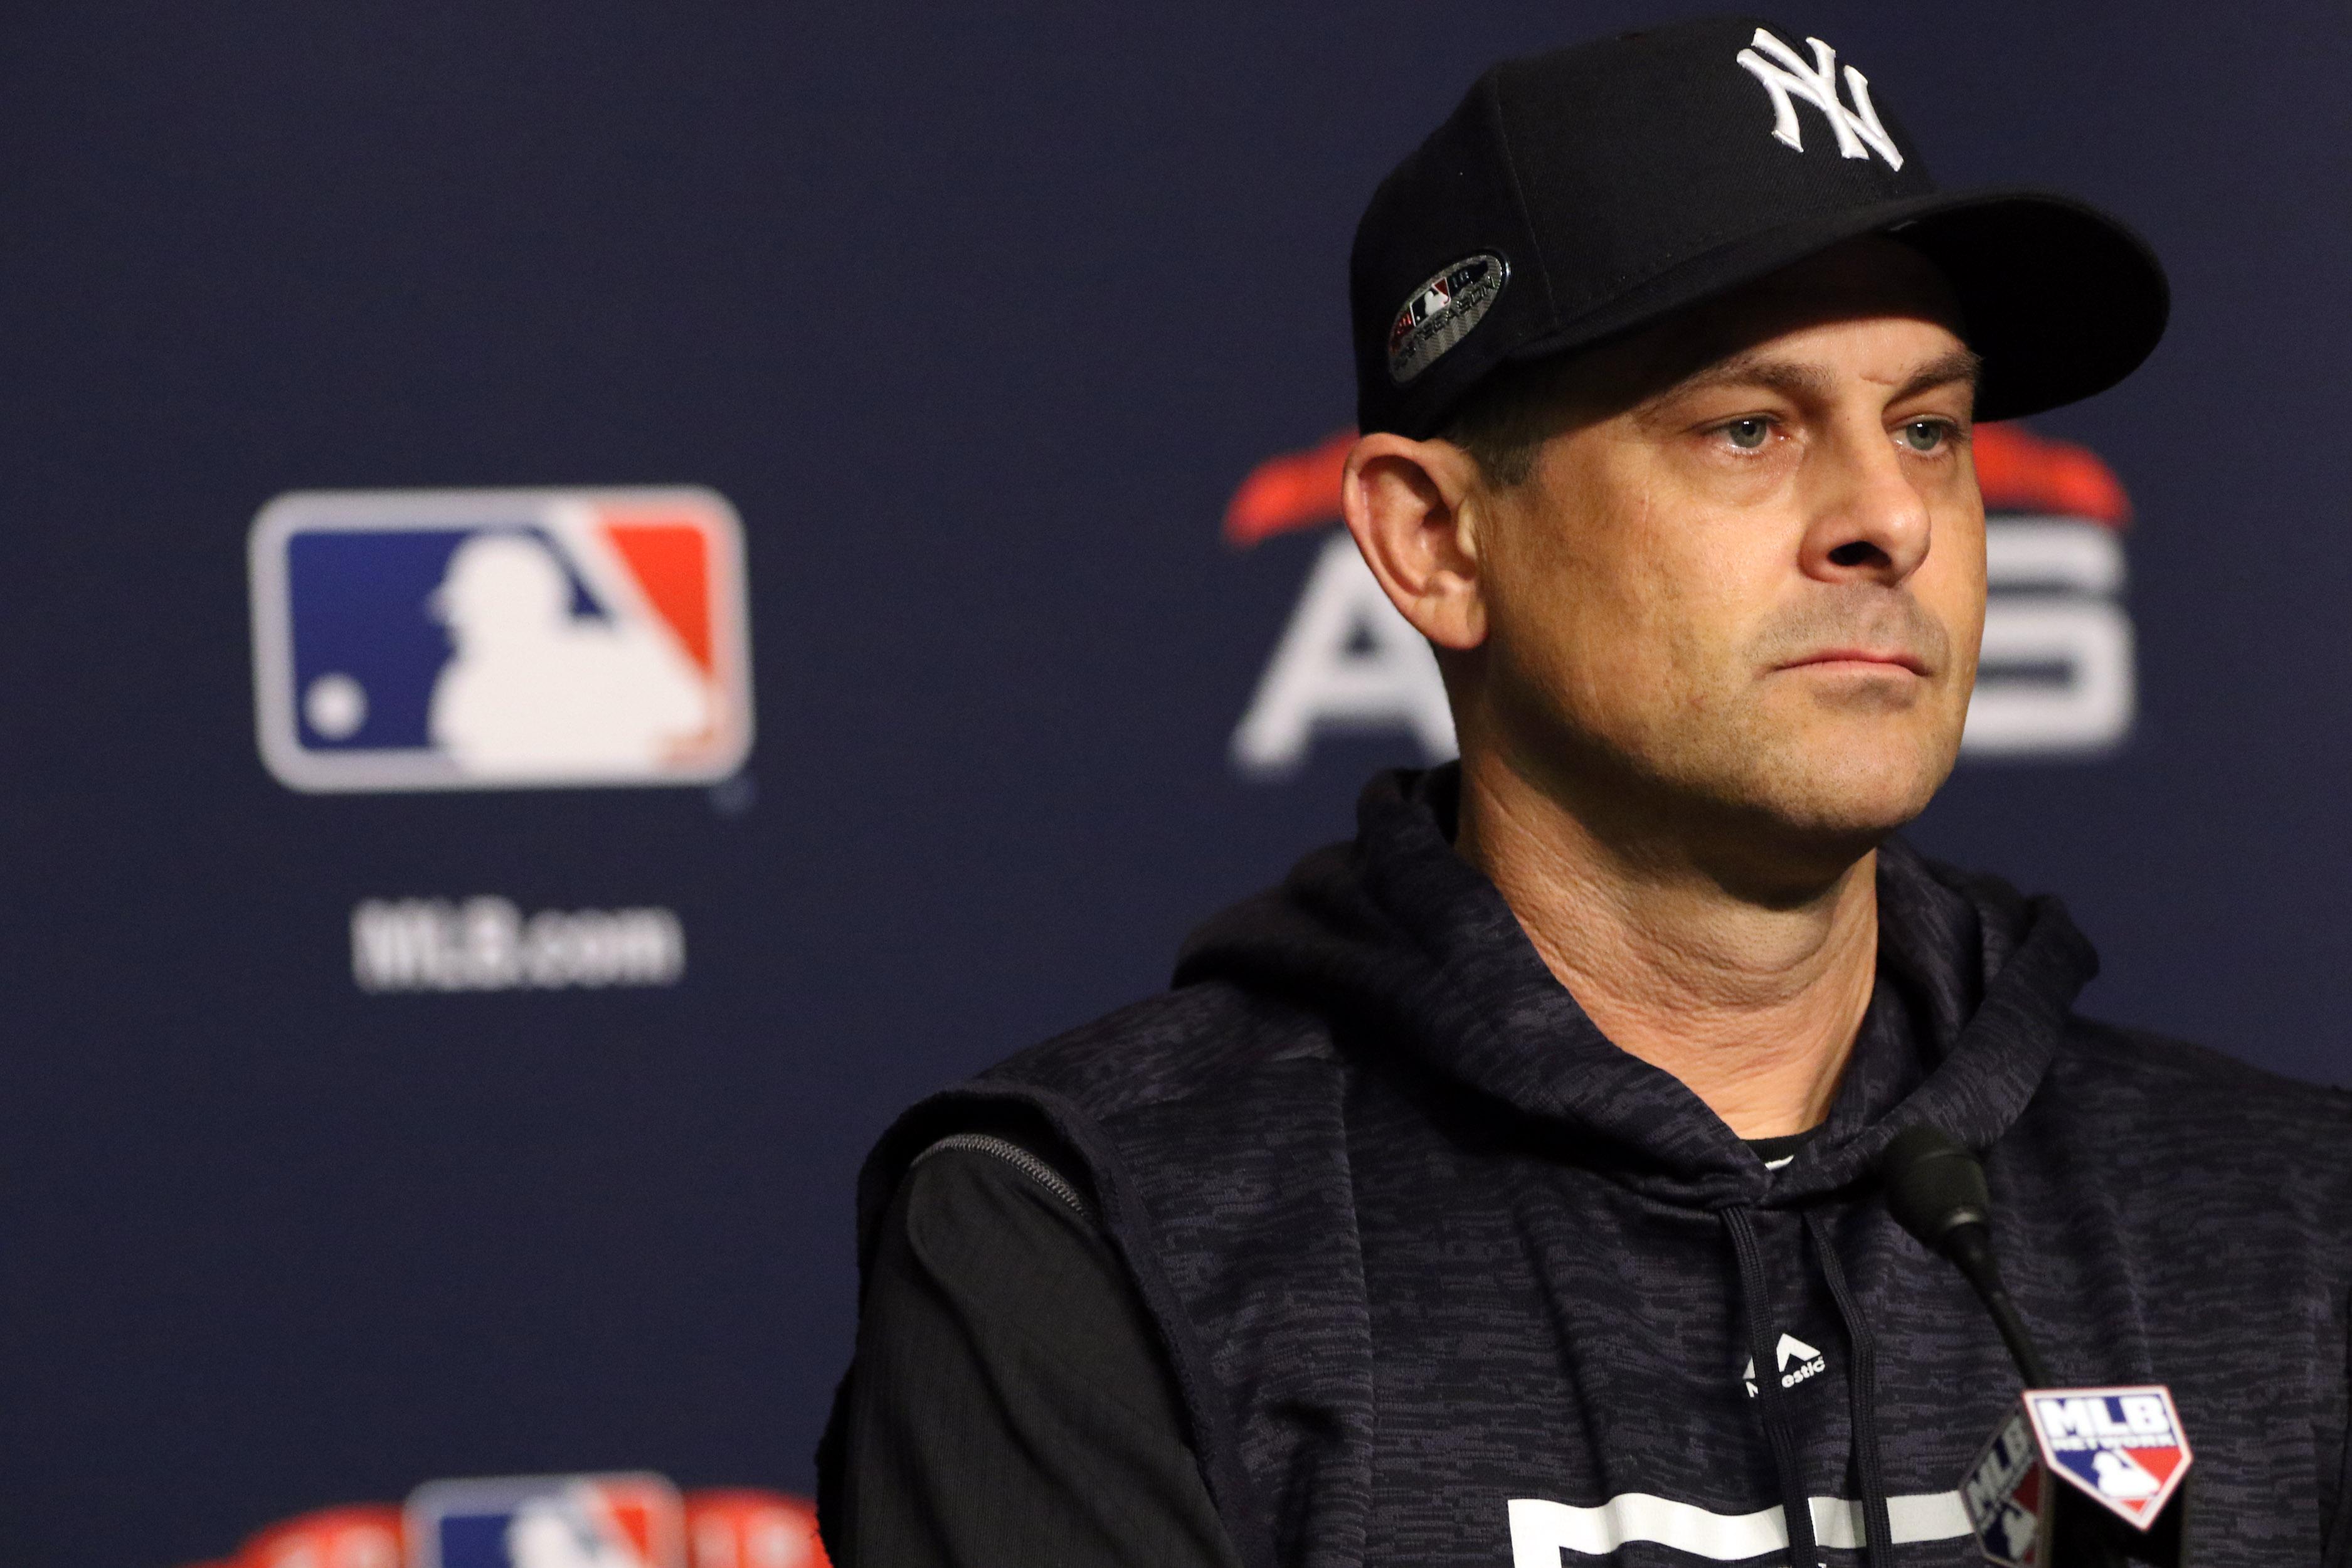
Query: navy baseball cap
x=1581, y=193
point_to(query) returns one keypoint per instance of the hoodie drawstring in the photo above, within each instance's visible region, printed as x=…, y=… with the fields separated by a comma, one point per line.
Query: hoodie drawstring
x=1754, y=1296
x=1861, y=1392
x=1862, y=1384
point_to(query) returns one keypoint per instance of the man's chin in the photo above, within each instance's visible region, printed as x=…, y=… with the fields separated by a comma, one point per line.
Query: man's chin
x=1792, y=795
x=1806, y=811
x=1850, y=798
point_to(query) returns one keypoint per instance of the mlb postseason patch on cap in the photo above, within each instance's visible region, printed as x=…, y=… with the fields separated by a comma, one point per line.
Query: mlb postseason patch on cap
x=2004, y=1495
x=499, y=638
x=1442, y=311
x=547, y=1522
x=2122, y=1447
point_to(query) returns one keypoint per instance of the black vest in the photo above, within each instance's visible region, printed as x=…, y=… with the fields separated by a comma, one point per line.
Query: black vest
x=1445, y=1277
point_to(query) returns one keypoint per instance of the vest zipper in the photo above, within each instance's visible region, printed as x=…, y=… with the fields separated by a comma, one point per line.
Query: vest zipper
x=1020, y=1159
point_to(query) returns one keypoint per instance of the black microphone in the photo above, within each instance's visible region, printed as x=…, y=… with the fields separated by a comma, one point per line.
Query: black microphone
x=1935, y=1190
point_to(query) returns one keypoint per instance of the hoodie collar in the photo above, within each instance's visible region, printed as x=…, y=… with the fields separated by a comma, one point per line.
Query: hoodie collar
x=1398, y=931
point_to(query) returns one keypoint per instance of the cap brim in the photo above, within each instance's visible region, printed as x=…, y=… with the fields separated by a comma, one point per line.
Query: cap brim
x=2059, y=299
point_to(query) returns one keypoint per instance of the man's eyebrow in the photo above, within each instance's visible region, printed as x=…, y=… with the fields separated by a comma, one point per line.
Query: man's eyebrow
x=1752, y=369
x=1797, y=378
x=1943, y=371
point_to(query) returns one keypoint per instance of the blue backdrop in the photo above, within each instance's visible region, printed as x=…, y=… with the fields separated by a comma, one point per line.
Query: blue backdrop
x=978, y=317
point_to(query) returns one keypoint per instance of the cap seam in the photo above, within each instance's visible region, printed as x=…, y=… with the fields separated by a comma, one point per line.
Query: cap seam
x=1519, y=195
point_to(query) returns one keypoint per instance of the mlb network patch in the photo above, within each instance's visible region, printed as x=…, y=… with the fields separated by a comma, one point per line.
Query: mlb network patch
x=2124, y=1447
x=499, y=638
x=547, y=1522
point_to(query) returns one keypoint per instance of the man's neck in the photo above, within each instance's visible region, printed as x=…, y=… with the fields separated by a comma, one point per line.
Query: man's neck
x=1752, y=1005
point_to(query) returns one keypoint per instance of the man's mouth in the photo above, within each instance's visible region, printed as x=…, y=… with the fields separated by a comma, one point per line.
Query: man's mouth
x=1860, y=659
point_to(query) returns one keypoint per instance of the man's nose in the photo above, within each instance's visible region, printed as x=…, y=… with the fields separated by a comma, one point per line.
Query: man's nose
x=1870, y=521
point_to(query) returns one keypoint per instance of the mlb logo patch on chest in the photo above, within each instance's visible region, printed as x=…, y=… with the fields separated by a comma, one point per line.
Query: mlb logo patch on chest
x=472, y=639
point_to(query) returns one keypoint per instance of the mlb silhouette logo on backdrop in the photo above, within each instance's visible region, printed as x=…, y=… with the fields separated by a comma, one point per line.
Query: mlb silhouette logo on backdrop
x=499, y=638
x=547, y=1522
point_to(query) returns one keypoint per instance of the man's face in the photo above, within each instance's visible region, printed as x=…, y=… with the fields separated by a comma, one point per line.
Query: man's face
x=1748, y=581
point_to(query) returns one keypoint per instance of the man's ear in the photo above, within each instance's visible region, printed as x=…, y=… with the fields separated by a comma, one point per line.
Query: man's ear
x=1413, y=506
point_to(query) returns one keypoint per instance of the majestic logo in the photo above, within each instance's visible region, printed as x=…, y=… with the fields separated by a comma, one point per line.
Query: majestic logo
x=484, y=639
x=547, y=1522
x=2055, y=680
x=1442, y=311
x=1799, y=1362
x=1788, y=77
x=2120, y=1446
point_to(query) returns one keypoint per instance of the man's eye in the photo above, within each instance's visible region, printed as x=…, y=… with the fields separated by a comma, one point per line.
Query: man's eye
x=1748, y=435
x=1925, y=435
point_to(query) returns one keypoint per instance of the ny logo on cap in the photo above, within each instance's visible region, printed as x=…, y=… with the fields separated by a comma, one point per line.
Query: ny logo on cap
x=1859, y=133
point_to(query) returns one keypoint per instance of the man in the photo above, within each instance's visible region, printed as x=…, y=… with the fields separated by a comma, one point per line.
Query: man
x=1504, y=1187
